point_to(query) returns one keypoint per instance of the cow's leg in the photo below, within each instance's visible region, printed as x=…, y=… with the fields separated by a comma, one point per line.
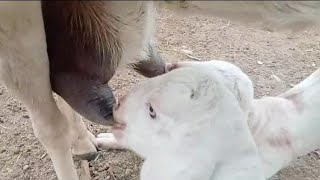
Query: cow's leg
x=84, y=142
x=24, y=69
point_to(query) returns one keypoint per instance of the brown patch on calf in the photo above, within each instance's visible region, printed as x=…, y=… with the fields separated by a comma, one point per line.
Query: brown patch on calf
x=280, y=139
x=259, y=125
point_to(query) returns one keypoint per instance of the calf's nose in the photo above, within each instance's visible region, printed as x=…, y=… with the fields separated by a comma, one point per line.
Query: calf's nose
x=116, y=106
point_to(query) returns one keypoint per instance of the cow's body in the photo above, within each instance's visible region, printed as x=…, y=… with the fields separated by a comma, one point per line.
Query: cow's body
x=74, y=48
x=74, y=51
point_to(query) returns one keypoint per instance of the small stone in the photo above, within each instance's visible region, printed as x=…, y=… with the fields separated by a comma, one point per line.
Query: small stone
x=101, y=169
x=21, y=144
x=135, y=168
x=106, y=166
x=26, y=116
x=276, y=78
x=25, y=167
x=128, y=172
x=313, y=64
x=186, y=51
x=317, y=152
x=108, y=177
x=16, y=151
x=259, y=62
x=291, y=85
x=15, y=175
x=16, y=133
x=43, y=155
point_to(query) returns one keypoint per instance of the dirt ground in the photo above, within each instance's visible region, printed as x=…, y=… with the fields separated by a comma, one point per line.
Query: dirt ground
x=274, y=61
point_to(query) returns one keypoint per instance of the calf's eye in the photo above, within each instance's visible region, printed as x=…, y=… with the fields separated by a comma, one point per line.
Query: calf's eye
x=152, y=113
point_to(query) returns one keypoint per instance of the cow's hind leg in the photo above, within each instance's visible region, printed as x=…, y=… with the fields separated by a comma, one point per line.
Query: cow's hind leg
x=24, y=69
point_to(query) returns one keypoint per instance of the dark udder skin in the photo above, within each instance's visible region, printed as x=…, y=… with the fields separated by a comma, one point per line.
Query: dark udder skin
x=81, y=64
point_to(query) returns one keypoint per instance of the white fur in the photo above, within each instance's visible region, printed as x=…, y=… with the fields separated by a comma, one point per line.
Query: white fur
x=202, y=138
x=290, y=117
x=190, y=135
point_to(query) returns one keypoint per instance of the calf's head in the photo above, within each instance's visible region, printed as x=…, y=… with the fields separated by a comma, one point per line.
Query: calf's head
x=172, y=105
x=189, y=109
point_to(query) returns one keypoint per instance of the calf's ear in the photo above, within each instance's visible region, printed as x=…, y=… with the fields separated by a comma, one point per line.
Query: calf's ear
x=171, y=66
x=151, y=66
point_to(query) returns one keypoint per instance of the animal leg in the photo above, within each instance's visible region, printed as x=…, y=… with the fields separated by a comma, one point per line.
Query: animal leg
x=24, y=70
x=84, y=142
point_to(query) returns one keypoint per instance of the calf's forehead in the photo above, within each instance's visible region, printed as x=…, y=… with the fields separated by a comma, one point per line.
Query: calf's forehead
x=173, y=77
x=171, y=86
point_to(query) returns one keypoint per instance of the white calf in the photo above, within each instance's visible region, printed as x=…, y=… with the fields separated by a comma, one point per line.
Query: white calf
x=200, y=121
